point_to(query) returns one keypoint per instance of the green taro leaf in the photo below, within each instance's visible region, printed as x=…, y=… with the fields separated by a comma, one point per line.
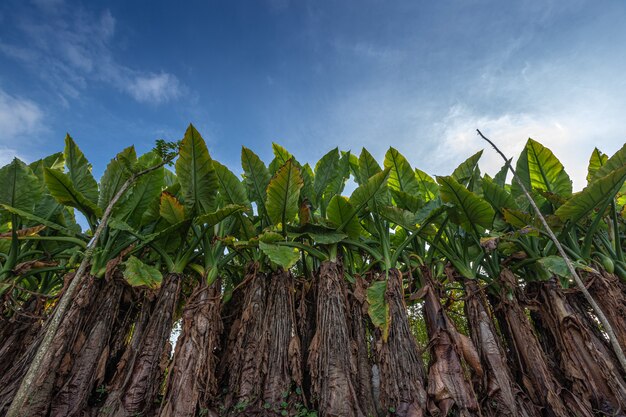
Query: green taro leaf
x=115, y=175
x=171, y=209
x=465, y=171
x=19, y=187
x=364, y=193
x=325, y=169
x=281, y=255
x=406, y=201
x=62, y=189
x=144, y=193
x=517, y=218
x=599, y=191
x=79, y=171
x=138, y=274
x=470, y=209
x=308, y=178
x=54, y=161
x=338, y=181
x=213, y=218
x=281, y=156
x=231, y=189
x=368, y=167
x=500, y=177
x=256, y=177
x=195, y=172
x=342, y=214
x=427, y=186
x=401, y=175
x=616, y=161
x=378, y=309
x=596, y=161
x=497, y=195
x=398, y=216
x=282, y=194
x=537, y=168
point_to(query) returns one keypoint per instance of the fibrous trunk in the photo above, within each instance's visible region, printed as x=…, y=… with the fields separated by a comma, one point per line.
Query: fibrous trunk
x=244, y=363
x=140, y=375
x=448, y=389
x=332, y=353
x=69, y=334
x=398, y=357
x=533, y=370
x=500, y=394
x=192, y=385
x=19, y=331
x=282, y=353
x=358, y=306
x=583, y=359
x=84, y=363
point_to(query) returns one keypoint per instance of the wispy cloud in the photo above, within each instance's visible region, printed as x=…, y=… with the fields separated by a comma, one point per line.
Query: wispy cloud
x=71, y=48
x=20, y=120
x=19, y=117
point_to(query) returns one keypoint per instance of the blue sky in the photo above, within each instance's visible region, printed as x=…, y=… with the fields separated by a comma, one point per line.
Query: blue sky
x=310, y=75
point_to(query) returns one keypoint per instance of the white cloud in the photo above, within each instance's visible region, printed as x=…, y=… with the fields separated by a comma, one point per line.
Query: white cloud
x=71, y=48
x=568, y=134
x=155, y=88
x=19, y=118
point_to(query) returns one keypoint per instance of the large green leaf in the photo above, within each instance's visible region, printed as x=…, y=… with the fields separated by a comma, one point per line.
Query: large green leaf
x=195, y=172
x=464, y=172
x=79, y=171
x=599, y=191
x=401, y=175
x=341, y=213
x=470, y=209
x=231, y=189
x=284, y=256
x=338, y=181
x=539, y=169
x=213, y=218
x=325, y=169
x=138, y=274
x=378, y=309
x=40, y=220
x=596, y=161
x=62, y=189
x=368, y=167
x=364, y=193
x=281, y=156
x=256, y=177
x=19, y=187
x=115, y=175
x=398, y=216
x=427, y=186
x=497, y=195
x=54, y=161
x=171, y=209
x=282, y=194
x=616, y=161
x=144, y=193
x=406, y=201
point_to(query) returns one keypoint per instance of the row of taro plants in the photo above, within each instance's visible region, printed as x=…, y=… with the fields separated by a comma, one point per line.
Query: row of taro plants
x=412, y=297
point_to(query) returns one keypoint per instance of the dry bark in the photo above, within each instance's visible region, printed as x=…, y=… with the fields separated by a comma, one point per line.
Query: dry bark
x=192, y=384
x=531, y=363
x=401, y=369
x=332, y=360
x=591, y=373
x=80, y=366
x=448, y=389
x=282, y=356
x=609, y=293
x=140, y=370
x=358, y=305
x=56, y=358
x=244, y=363
x=499, y=393
x=19, y=331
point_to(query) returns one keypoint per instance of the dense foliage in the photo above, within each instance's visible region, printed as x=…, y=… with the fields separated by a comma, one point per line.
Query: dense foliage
x=412, y=296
